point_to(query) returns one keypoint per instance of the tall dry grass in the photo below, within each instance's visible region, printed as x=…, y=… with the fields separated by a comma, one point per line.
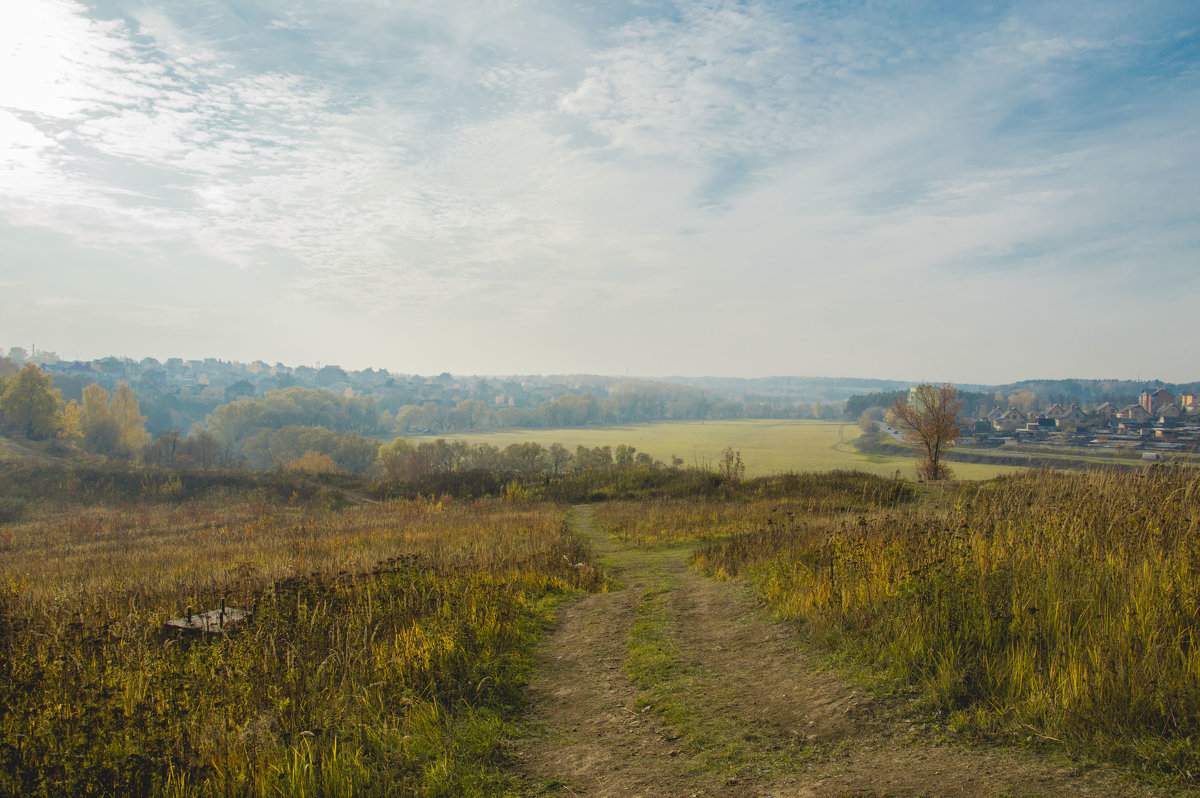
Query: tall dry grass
x=1047, y=605
x=386, y=645
x=741, y=508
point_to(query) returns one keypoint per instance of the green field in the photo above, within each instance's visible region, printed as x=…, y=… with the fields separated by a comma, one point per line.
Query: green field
x=767, y=447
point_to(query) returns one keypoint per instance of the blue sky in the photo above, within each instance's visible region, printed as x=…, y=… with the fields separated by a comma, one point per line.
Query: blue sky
x=994, y=192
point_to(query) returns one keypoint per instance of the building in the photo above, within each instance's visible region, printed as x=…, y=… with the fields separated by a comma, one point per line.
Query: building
x=1009, y=419
x=1153, y=401
x=1134, y=413
x=1074, y=417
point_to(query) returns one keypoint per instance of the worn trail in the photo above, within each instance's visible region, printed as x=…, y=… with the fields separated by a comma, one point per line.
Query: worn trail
x=678, y=685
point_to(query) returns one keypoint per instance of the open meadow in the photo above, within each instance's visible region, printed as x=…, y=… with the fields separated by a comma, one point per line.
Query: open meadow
x=767, y=446
x=386, y=644
x=1047, y=608
x=392, y=636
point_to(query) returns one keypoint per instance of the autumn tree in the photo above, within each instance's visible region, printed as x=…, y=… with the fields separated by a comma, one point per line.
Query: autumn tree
x=560, y=458
x=312, y=463
x=112, y=425
x=30, y=402
x=130, y=420
x=70, y=422
x=928, y=420
x=101, y=432
x=731, y=468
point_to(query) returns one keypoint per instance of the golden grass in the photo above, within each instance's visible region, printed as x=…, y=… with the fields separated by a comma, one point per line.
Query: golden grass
x=1062, y=605
x=386, y=645
x=767, y=446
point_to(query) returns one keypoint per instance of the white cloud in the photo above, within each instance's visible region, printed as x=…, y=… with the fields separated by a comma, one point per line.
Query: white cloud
x=514, y=160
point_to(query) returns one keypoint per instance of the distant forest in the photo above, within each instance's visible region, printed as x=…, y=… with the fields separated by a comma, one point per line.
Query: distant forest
x=213, y=411
x=186, y=395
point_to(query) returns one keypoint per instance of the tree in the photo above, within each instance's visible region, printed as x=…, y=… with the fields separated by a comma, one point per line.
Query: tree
x=928, y=421
x=731, y=468
x=130, y=421
x=70, y=423
x=560, y=458
x=313, y=463
x=99, y=425
x=112, y=425
x=30, y=402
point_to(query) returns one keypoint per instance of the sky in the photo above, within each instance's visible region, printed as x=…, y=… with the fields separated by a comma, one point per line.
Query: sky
x=975, y=192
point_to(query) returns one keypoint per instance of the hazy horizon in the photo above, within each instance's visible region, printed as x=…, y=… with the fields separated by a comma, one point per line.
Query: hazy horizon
x=739, y=189
x=67, y=357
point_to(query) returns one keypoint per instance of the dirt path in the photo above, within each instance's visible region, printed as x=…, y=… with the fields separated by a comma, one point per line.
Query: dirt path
x=678, y=685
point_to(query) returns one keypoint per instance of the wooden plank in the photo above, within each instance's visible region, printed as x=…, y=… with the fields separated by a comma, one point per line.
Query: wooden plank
x=213, y=622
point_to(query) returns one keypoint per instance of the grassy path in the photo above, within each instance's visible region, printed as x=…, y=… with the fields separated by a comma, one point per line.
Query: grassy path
x=673, y=684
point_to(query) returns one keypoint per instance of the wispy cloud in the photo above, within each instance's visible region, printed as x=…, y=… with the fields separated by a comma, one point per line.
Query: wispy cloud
x=505, y=163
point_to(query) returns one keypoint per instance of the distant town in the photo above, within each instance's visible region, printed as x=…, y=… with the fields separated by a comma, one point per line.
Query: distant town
x=1158, y=426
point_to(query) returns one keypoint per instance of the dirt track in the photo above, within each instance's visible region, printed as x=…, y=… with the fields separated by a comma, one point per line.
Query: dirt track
x=741, y=710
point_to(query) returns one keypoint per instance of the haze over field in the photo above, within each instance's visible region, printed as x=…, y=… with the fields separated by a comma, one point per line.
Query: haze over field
x=647, y=187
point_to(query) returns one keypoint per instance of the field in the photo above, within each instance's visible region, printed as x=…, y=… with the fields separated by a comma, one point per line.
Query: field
x=767, y=447
x=386, y=647
x=1053, y=606
x=392, y=640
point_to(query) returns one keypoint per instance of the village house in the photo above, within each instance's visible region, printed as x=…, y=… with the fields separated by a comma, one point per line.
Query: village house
x=1009, y=419
x=1153, y=401
x=1075, y=417
x=1136, y=412
x=1168, y=413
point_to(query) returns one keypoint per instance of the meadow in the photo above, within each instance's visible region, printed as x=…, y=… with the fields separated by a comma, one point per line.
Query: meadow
x=767, y=446
x=1046, y=608
x=392, y=633
x=384, y=654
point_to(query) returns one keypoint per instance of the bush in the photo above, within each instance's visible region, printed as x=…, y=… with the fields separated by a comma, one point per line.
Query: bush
x=12, y=509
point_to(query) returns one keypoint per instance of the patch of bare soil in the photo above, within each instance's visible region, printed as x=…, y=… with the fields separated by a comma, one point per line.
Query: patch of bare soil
x=824, y=737
x=588, y=735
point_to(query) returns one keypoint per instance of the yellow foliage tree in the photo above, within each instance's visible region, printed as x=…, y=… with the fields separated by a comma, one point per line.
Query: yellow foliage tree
x=131, y=422
x=313, y=463
x=30, y=402
x=70, y=423
x=112, y=426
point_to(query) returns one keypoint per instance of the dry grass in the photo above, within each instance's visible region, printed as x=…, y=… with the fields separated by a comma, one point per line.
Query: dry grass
x=387, y=644
x=1052, y=606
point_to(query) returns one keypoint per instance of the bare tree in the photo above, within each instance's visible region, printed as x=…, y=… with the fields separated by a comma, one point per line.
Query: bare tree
x=929, y=421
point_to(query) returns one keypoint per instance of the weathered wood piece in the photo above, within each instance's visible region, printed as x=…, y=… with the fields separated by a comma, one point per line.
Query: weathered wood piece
x=214, y=622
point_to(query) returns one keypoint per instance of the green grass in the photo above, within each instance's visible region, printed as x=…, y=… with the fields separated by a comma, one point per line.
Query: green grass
x=767, y=446
x=689, y=696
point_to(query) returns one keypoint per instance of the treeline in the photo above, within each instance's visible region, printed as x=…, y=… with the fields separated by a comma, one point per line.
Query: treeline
x=102, y=423
x=178, y=394
x=294, y=429
x=578, y=410
x=974, y=403
x=405, y=461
